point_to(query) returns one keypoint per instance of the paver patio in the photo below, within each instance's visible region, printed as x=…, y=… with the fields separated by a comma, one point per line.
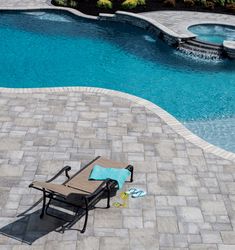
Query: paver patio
x=191, y=194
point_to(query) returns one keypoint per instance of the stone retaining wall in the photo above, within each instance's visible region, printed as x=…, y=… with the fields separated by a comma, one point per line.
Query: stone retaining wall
x=155, y=28
x=229, y=47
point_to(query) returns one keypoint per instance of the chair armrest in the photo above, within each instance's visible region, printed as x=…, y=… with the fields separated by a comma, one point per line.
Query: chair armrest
x=107, y=182
x=65, y=169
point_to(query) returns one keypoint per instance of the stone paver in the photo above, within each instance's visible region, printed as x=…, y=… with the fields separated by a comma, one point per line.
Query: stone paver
x=190, y=202
x=24, y=3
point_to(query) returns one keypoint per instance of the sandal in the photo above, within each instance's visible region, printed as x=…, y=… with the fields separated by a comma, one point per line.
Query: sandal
x=124, y=195
x=138, y=194
x=133, y=190
x=119, y=205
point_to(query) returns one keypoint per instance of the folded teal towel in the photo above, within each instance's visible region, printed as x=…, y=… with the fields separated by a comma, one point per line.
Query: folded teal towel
x=117, y=174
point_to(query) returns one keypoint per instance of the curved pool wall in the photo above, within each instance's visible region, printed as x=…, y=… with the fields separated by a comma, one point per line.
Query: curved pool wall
x=190, y=134
x=181, y=42
x=213, y=33
x=154, y=27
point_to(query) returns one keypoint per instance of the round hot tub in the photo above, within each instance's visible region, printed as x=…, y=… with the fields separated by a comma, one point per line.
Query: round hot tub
x=213, y=33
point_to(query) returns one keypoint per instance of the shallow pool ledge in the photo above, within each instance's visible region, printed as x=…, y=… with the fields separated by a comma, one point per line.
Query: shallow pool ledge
x=171, y=121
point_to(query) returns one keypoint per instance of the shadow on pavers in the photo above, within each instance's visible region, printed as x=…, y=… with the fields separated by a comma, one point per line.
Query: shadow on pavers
x=30, y=227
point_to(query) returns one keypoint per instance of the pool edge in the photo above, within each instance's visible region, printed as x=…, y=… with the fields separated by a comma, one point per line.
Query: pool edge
x=164, y=115
x=170, y=120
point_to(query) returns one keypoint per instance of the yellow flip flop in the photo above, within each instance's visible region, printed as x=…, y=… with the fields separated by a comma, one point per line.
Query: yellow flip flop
x=119, y=205
x=124, y=196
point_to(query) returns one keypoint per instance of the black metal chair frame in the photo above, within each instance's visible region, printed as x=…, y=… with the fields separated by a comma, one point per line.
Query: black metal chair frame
x=89, y=200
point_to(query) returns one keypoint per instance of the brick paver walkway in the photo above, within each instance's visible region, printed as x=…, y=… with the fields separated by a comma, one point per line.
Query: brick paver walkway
x=191, y=194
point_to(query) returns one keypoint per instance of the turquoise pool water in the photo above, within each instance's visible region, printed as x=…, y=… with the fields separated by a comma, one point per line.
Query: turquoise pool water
x=46, y=49
x=213, y=33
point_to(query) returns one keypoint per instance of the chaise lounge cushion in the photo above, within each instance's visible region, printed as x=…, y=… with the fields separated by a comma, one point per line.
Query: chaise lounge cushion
x=80, y=183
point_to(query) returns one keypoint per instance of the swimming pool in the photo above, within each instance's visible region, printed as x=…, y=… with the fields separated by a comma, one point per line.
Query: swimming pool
x=213, y=33
x=47, y=49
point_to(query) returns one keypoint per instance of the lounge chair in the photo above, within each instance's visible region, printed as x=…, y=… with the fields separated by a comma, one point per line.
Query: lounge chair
x=79, y=188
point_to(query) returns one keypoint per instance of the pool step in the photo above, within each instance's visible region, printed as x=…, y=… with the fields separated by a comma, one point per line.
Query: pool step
x=202, y=44
x=201, y=49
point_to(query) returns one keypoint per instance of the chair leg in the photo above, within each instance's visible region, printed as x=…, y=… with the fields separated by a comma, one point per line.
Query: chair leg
x=43, y=204
x=48, y=204
x=86, y=216
x=132, y=172
x=108, y=197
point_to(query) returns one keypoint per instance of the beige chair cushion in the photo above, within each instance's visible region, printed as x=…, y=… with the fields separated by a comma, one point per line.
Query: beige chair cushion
x=80, y=183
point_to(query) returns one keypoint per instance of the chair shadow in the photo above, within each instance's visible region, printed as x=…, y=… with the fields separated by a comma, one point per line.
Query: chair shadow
x=29, y=227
